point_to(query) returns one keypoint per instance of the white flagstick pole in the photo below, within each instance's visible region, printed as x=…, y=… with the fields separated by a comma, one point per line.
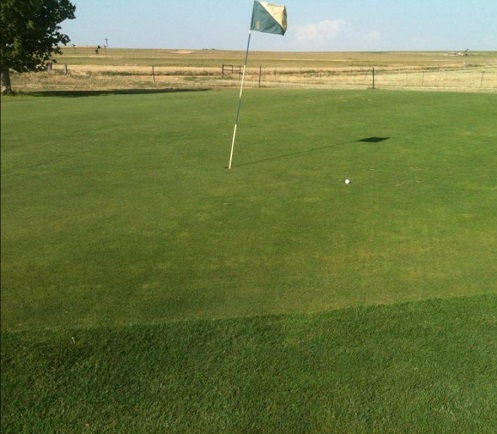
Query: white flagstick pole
x=239, y=101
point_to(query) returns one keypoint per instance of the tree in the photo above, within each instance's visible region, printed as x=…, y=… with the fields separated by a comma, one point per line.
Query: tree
x=30, y=34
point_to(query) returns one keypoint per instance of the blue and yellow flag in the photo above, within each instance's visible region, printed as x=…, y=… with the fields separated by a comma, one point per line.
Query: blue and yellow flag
x=268, y=18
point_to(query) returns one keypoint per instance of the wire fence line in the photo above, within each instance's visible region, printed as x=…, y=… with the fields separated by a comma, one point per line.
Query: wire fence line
x=464, y=78
x=378, y=77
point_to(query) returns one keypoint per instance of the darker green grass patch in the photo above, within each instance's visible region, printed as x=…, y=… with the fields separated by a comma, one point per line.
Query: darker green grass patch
x=419, y=367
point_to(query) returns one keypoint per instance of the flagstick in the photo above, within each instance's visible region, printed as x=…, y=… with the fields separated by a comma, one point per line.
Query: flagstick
x=239, y=101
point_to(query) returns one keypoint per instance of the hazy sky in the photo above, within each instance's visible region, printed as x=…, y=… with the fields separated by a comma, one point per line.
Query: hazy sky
x=313, y=25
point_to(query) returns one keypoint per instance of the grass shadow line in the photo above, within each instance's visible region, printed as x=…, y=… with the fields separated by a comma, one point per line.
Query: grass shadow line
x=373, y=139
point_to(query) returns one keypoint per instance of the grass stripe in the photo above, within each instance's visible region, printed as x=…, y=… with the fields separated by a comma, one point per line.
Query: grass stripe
x=420, y=367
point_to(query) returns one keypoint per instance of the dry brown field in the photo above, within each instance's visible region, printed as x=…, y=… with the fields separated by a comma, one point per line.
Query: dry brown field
x=81, y=68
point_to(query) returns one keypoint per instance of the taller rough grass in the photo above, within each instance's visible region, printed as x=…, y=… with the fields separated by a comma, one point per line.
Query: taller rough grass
x=421, y=367
x=117, y=209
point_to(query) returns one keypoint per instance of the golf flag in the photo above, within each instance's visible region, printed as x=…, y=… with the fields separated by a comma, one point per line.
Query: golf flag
x=268, y=18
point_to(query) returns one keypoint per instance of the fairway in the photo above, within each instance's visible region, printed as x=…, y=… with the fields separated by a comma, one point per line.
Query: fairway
x=123, y=234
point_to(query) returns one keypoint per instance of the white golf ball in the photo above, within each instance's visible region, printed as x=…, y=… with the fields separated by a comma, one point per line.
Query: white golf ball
x=347, y=181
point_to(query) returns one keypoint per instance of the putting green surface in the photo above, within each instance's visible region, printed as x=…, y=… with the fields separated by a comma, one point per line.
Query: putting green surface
x=118, y=209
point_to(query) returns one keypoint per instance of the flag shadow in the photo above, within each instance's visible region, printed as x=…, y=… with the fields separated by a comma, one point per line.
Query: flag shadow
x=373, y=139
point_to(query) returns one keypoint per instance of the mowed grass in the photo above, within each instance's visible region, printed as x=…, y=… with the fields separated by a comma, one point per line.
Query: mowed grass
x=119, y=210
x=205, y=300
x=422, y=367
